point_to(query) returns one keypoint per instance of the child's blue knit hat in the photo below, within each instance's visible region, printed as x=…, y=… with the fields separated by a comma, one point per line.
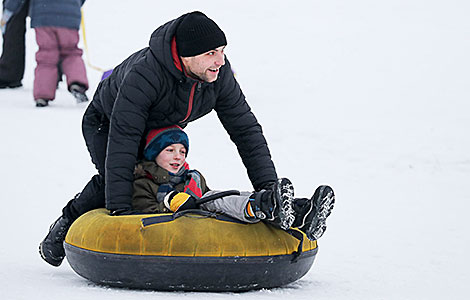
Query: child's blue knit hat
x=159, y=139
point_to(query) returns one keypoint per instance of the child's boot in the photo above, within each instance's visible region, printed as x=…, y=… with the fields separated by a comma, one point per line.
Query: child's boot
x=78, y=91
x=311, y=213
x=42, y=102
x=273, y=206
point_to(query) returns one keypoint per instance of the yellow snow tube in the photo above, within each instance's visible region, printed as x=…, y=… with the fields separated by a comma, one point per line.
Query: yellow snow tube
x=194, y=250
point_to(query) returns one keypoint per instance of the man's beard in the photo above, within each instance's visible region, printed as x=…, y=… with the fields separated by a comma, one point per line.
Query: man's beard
x=194, y=76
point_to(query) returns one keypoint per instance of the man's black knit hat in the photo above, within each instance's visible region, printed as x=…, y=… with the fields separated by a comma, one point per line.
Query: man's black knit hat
x=197, y=34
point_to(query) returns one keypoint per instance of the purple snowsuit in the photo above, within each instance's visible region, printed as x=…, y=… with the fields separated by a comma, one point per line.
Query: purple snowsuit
x=56, y=23
x=57, y=44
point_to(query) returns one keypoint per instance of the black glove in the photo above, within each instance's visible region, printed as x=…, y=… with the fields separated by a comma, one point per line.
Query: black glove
x=268, y=186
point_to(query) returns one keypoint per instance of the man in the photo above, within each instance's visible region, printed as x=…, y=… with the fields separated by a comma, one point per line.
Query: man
x=182, y=76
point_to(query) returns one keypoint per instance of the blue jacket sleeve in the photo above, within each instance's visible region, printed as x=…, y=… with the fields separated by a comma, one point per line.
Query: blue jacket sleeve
x=14, y=5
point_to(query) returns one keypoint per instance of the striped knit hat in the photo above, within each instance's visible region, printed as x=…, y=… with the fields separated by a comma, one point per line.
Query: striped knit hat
x=159, y=139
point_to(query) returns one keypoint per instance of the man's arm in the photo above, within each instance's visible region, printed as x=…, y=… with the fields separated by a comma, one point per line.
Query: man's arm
x=240, y=123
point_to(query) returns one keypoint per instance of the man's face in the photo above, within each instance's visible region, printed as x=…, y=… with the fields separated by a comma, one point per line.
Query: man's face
x=205, y=66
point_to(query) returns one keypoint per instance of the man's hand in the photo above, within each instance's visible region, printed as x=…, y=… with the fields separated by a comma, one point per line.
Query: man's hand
x=178, y=201
x=268, y=186
x=4, y=20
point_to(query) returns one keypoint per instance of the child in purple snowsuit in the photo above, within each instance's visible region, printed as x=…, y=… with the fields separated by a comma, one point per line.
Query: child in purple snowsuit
x=56, y=23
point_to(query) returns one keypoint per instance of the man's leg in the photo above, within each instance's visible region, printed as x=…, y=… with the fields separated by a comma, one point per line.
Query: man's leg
x=95, y=131
x=12, y=61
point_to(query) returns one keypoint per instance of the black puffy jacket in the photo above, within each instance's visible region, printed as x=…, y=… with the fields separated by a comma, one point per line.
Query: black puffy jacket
x=150, y=90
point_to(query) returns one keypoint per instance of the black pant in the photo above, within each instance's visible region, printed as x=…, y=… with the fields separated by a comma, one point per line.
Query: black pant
x=13, y=55
x=95, y=128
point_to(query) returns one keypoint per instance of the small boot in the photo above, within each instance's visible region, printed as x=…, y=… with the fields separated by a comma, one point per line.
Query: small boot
x=78, y=91
x=51, y=248
x=311, y=213
x=42, y=102
x=273, y=206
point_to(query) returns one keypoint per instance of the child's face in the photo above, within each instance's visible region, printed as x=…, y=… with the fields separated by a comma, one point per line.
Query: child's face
x=172, y=158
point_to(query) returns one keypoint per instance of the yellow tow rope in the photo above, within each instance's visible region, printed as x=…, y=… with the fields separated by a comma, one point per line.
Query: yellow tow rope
x=87, y=53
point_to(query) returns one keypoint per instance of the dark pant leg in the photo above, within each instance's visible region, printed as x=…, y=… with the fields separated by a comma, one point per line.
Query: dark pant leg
x=13, y=56
x=95, y=129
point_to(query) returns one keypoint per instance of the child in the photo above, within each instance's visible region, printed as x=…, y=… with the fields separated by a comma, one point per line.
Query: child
x=164, y=183
x=56, y=23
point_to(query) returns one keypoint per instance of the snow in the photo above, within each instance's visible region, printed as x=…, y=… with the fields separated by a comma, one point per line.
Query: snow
x=371, y=97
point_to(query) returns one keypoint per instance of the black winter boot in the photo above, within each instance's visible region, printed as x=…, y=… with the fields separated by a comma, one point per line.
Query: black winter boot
x=42, y=102
x=275, y=206
x=78, y=91
x=311, y=213
x=52, y=247
x=11, y=85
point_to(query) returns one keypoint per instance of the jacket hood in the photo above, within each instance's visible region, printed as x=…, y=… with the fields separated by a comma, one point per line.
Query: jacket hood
x=149, y=169
x=161, y=46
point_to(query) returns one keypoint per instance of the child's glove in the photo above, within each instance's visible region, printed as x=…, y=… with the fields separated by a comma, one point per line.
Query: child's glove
x=5, y=18
x=178, y=201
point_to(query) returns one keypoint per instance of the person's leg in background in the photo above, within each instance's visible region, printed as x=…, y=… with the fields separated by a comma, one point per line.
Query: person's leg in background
x=12, y=61
x=72, y=63
x=46, y=72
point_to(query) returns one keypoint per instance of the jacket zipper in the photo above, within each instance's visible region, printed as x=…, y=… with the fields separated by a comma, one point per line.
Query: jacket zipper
x=190, y=105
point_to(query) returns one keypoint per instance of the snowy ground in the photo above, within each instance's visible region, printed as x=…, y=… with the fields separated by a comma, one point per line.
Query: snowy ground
x=371, y=97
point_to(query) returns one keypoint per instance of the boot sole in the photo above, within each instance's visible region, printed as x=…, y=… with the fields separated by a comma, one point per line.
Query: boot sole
x=286, y=213
x=50, y=260
x=323, y=205
x=12, y=85
x=80, y=98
